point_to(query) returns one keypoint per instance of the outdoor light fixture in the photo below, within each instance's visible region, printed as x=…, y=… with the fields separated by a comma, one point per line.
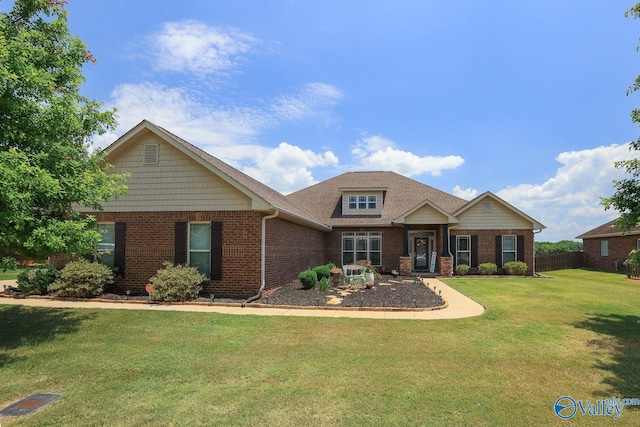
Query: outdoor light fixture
x=267, y=298
x=415, y=303
x=128, y=293
x=213, y=297
x=440, y=292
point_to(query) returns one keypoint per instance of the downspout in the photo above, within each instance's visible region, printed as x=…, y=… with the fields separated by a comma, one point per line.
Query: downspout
x=534, y=251
x=263, y=259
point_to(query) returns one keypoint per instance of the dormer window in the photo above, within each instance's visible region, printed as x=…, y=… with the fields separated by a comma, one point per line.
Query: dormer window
x=363, y=202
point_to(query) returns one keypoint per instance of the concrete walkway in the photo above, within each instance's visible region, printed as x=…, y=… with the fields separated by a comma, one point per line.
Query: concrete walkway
x=459, y=306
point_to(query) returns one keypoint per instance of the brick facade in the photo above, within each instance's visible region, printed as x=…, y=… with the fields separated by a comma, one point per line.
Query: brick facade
x=486, y=246
x=619, y=248
x=291, y=248
x=150, y=240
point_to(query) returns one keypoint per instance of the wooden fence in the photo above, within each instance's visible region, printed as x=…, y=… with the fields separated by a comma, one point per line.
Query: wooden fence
x=560, y=261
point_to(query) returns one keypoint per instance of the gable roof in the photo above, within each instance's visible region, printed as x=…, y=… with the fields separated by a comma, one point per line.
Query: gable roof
x=263, y=198
x=401, y=197
x=607, y=230
x=489, y=195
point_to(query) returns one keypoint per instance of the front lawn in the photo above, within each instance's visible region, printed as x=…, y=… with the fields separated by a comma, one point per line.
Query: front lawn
x=9, y=274
x=577, y=334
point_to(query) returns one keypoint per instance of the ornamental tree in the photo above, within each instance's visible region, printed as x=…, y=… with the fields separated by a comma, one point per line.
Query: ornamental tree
x=626, y=198
x=47, y=162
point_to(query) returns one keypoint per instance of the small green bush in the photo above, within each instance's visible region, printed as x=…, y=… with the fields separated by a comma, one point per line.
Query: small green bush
x=487, y=268
x=36, y=280
x=176, y=283
x=331, y=266
x=8, y=263
x=462, y=270
x=324, y=285
x=322, y=271
x=82, y=279
x=309, y=278
x=515, y=268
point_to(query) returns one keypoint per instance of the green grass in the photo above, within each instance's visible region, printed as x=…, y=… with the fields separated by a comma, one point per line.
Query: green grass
x=9, y=274
x=575, y=334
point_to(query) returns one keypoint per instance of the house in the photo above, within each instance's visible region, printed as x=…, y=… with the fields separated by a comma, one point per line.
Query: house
x=186, y=206
x=607, y=247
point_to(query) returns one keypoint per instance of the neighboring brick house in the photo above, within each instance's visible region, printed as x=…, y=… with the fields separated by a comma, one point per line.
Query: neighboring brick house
x=607, y=247
x=186, y=206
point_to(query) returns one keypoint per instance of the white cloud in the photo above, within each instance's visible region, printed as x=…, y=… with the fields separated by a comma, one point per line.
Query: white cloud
x=287, y=167
x=192, y=46
x=466, y=193
x=312, y=101
x=378, y=153
x=568, y=204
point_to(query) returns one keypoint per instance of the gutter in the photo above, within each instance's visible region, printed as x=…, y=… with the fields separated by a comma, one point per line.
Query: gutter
x=263, y=259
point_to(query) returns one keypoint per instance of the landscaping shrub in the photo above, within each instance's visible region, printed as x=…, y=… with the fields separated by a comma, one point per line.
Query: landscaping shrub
x=309, y=278
x=8, y=263
x=516, y=268
x=487, y=268
x=37, y=279
x=331, y=266
x=324, y=285
x=176, y=283
x=82, y=279
x=462, y=270
x=322, y=271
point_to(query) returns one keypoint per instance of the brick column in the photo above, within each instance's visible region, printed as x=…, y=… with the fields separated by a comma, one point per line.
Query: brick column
x=446, y=266
x=405, y=266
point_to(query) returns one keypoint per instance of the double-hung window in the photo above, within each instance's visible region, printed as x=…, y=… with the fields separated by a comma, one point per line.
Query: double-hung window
x=463, y=250
x=107, y=245
x=357, y=246
x=200, y=247
x=509, y=249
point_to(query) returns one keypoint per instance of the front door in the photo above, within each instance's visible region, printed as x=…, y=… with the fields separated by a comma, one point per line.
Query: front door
x=424, y=244
x=421, y=253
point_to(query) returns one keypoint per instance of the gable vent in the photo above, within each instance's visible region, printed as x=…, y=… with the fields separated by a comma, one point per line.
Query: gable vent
x=150, y=156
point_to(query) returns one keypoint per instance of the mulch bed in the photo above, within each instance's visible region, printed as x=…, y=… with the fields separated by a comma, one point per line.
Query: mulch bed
x=387, y=292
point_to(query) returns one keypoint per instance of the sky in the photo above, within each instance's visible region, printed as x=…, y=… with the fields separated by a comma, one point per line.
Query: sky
x=527, y=100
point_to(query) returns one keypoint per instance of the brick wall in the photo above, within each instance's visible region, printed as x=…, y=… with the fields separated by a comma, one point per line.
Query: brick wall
x=487, y=244
x=619, y=248
x=149, y=241
x=291, y=248
x=391, y=245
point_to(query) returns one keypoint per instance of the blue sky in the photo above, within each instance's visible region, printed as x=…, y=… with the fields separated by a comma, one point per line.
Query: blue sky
x=524, y=99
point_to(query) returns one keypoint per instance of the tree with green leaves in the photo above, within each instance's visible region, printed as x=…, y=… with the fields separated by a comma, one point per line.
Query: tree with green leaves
x=626, y=198
x=47, y=162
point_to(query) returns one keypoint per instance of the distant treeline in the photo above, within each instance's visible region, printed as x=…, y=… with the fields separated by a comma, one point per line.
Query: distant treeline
x=546, y=248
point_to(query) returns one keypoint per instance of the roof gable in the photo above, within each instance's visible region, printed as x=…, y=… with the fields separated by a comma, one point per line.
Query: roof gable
x=262, y=197
x=476, y=205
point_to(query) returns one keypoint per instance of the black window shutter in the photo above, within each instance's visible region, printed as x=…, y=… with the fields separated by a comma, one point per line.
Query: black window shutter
x=216, y=251
x=118, y=253
x=499, y=251
x=474, y=251
x=453, y=248
x=180, y=243
x=520, y=250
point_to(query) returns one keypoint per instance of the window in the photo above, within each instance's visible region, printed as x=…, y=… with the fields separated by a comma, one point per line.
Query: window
x=486, y=206
x=463, y=250
x=362, y=246
x=200, y=247
x=508, y=249
x=353, y=202
x=362, y=202
x=638, y=244
x=373, y=202
x=107, y=245
x=604, y=248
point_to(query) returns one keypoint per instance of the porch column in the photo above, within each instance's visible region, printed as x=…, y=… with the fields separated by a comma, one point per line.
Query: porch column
x=445, y=240
x=405, y=240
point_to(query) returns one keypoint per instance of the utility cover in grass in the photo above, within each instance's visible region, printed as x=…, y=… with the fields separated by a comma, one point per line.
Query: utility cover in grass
x=29, y=404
